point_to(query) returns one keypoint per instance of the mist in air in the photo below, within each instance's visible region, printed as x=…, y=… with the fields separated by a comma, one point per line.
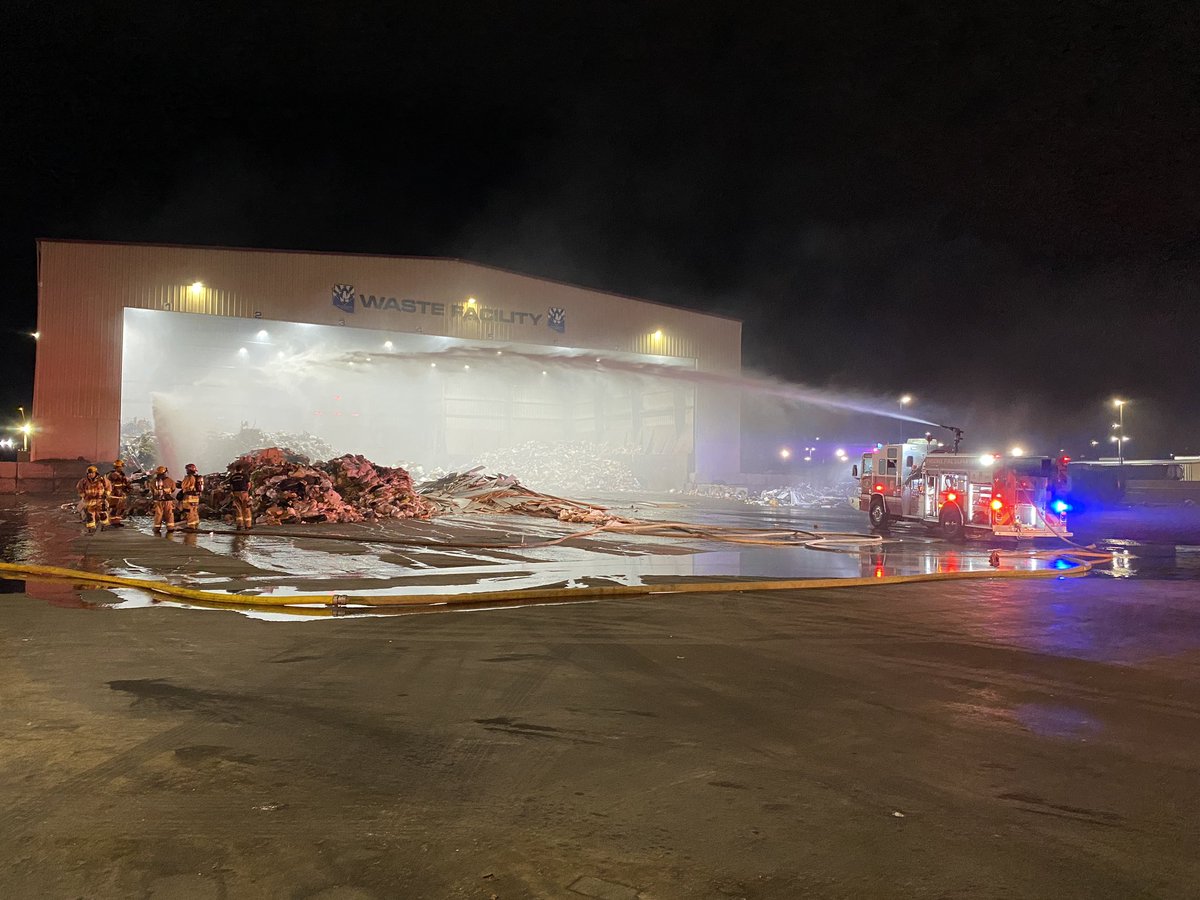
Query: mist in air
x=414, y=399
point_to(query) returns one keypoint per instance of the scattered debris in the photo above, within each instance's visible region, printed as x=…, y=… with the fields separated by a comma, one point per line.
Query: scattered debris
x=720, y=492
x=811, y=496
x=565, y=466
x=474, y=492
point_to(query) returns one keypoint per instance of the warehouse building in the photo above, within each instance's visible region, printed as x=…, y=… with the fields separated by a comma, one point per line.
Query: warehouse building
x=402, y=359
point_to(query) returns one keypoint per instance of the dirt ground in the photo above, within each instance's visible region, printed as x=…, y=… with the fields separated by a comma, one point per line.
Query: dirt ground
x=974, y=739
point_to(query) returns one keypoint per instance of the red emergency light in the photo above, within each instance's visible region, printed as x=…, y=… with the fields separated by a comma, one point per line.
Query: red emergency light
x=879, y=487
x=997, y=504
x=951, y=496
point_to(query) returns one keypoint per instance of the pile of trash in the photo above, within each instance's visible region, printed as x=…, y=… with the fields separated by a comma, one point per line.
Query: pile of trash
x=475, y=492
x=222, y=445
x=286, y=488
x=810, y=496
x=720, y=492
x=139, y=444
x=420, y=474
x=565, y=466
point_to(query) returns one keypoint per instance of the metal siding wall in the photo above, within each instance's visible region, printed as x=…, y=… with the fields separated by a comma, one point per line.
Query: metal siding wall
x=84, y=288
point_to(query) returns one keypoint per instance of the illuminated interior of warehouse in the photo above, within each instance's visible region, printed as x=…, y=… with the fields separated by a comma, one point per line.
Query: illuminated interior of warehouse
x=409, y=361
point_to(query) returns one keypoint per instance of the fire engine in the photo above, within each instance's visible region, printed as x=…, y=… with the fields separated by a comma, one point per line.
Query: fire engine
x=963, y=494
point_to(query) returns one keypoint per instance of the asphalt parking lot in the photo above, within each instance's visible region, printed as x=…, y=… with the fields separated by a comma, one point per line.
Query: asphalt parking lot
x=982, y=739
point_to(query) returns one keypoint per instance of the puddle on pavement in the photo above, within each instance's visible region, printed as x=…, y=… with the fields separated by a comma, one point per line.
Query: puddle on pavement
x=398, y=558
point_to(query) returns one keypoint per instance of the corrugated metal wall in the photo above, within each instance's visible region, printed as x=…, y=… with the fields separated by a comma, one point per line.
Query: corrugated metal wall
x=83, y=288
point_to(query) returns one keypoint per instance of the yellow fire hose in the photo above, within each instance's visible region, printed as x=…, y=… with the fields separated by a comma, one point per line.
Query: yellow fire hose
x=1078, y=567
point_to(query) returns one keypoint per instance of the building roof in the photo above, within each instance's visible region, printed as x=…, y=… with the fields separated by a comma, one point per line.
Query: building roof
x=453, y=259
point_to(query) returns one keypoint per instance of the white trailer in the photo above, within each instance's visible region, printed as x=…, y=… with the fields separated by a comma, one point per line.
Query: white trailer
x=963, y=494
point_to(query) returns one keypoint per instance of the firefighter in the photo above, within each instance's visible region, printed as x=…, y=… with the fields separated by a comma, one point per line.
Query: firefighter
x=191, y=486
x=162, y=492
x=118, y=490
x=93, y=494
x=239, y=489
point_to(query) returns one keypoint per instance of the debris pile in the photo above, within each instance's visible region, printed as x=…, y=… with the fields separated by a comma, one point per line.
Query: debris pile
x=720, y=492
x=475, y=492
x=421, y=474
x=139, y=444
x=286, y=489
x=811, y=496
x=222, y=445
x=565, y=466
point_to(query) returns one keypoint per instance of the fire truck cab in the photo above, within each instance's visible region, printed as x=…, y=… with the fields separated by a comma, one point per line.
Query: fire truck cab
x=963, y=494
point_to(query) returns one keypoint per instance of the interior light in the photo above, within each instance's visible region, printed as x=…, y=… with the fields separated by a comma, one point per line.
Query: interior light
x=242, y=351
x=262, y=334
x=785, y=453
x=466, y=367
x=543, y=371
x=433, y=365
x=657, y=334
x=987, y=459
x=387, y=345
x=470, y=301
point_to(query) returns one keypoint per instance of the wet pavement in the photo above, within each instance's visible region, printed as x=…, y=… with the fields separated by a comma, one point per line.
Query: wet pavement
x=984, y=739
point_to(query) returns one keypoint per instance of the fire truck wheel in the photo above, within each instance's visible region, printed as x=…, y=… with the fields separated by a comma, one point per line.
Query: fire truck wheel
x=878, y=515
x=951, y=521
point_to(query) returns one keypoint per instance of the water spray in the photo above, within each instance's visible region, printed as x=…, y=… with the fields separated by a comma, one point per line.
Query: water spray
x=589, y=363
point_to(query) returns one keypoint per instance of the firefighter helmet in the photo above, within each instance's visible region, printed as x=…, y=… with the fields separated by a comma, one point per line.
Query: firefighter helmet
x=191, y=467
x=92, y=470
x=118, y=463
x=161, y=470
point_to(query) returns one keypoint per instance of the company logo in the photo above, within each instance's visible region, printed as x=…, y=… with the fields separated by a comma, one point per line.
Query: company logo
x=343, y=297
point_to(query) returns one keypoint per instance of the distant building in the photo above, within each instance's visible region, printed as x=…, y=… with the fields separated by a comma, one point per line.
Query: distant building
x=399, y=358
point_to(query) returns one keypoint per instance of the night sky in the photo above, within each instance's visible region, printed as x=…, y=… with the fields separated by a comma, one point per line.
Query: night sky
x=993, y=206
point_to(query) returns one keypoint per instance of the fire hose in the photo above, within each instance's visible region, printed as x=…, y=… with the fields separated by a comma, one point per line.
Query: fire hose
x=1077, y=567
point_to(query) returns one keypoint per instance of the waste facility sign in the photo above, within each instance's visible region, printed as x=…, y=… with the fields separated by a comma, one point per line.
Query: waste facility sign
x=345, y=298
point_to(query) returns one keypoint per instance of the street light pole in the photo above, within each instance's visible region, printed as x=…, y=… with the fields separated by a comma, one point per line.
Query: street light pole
x=1120, y=404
